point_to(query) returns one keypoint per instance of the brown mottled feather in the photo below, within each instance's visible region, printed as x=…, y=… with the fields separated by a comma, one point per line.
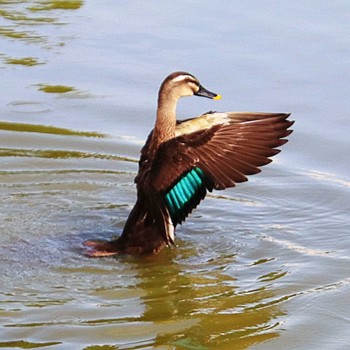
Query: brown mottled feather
x=226, y=153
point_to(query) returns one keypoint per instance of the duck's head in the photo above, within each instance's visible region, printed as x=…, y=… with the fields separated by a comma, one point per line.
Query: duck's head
x=180, y=84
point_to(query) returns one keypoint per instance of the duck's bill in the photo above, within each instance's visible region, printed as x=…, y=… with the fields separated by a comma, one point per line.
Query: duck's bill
x=206, y=93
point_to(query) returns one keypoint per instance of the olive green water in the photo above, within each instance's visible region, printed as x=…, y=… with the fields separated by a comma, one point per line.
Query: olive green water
x=262, y=266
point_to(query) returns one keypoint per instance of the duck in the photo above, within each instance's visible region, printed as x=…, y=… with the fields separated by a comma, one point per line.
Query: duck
x=182, y=161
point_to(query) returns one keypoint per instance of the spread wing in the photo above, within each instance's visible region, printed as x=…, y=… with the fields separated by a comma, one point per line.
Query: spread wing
x=218, y=153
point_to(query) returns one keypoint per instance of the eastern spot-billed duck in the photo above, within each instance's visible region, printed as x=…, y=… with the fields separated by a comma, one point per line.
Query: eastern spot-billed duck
x=182, y=160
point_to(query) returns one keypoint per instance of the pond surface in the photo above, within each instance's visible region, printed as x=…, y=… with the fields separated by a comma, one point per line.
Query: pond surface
x=261, y=266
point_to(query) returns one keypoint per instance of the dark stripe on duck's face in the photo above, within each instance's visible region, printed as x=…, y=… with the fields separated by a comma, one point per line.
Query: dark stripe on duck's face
x=183, y=191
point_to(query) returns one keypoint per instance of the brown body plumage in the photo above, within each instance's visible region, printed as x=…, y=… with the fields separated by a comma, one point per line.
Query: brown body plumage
x=181, y=161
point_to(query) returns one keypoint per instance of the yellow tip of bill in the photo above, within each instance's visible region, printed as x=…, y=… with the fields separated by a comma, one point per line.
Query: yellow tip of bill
x=217, y=97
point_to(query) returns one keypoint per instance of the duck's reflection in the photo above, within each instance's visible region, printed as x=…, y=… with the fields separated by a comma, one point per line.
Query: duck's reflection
x=197, y=305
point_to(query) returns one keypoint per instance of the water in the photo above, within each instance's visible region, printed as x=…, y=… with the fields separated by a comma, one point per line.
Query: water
x=261, y=266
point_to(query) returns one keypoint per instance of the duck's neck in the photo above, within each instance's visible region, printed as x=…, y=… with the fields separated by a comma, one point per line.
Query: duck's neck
x=164, y=128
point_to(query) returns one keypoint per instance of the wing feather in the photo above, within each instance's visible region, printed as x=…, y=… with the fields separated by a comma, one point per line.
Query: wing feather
x=226, y=152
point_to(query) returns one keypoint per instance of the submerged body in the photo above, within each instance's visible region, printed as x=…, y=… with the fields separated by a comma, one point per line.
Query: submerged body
x=181, y=161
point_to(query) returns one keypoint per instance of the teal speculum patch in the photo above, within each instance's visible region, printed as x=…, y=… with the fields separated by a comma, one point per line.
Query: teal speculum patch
x=181, y=194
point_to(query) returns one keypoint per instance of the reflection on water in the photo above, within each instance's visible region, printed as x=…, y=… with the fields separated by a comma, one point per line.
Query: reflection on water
x=23, y=21
x=55, y=89
x=261, y=266
x=24, y=61
x=179, y=298
x=56, y=5
x=205, y=307
x=44, y=129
